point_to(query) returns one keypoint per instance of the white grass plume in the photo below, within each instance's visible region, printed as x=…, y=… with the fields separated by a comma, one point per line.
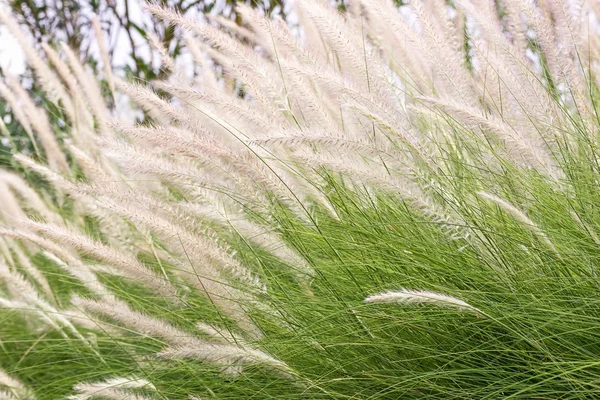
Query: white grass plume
x=15, y=388
x=226, y=355
x=136, y=321
x=182, y=344
x=24, y=261
x=127, y=264
x=520, y=217
x=113, y=388
x=63, y=258
x=407, y=296
x=45, y=76
x=41, y=125
x=30, y=197
x=23, y=289
x=106, y=65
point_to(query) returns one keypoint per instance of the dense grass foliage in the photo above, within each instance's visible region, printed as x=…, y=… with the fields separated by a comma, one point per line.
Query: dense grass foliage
x=385, y=204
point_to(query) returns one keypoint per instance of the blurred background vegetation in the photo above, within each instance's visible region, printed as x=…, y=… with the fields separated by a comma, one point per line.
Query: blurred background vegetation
x=126, y=31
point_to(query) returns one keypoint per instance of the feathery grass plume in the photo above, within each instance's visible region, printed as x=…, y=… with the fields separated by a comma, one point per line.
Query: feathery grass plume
x=520, y=217
x=453, y=70
x=220, y=334
x=61, y=184
x=227, y=355
x=22, y=289
x=217, y=102
x=56, y=179
x=112, y=388
x=158, y=108
x=24, y=261
x=125, y=263
x=94, y=169
x=92, y=94
x=234, y=28
x=518, y=145
x=106, y=65
x=254, y=233
x=44, y=74
x=14, y=388
x=33, y=201
x=40, y=124
x=139, y=322
x=11, y=207
x=82, y=120
x=83, y=320
x=63, y=258
x=257, y=73
x=19, y=113
x=166, y=61
x=184, y=344
x=24, y=309
x=354, y=52
x=520, y=80
x=421, y=297
x=180, y=239
x=5, y=253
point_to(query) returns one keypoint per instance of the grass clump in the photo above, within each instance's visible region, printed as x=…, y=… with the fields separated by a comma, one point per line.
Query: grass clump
x=387, y=205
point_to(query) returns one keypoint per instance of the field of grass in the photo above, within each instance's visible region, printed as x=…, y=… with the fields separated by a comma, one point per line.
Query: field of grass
x=395, y=205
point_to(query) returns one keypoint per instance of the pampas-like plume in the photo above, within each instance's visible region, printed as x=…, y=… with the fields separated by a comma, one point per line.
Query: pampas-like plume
x=108, y=75
x=82, y=120
x=220, y=334
x=257, y=74
x=139, y=322
x=113, y=389
x=56, y=179
x=29, y=196
x=158, y=108
x=227, y=355
x=45, y=77
x=519, y=146
x=11, y=209
x=421, y=297
x=67, y=261
x=25, y=262
x=166, y=60
x=19, y=114
x=24, y=290
x=183, y=344
x=520, y=217
x=82, y=319
x=14, y=388
x=91, y=90
x=214, y=261
x=109, y=394
x=254, y=233
x=41, y=125
x=126, y=263
x=98, y=389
